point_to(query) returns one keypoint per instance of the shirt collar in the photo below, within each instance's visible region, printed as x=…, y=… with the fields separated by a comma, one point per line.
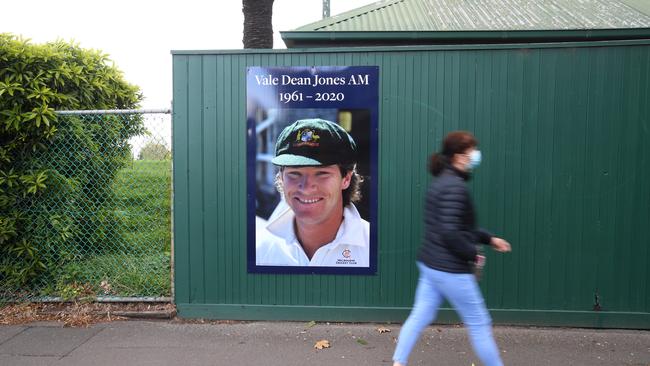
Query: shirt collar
x=351, y=231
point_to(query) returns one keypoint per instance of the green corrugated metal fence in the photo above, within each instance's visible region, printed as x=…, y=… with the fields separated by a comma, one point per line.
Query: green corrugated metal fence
x=565, y=178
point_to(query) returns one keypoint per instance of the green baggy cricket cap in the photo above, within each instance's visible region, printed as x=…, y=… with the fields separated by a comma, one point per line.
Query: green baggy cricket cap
x=314, y=142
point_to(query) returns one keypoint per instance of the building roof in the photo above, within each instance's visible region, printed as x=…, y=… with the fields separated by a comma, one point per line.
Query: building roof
x=397, y=18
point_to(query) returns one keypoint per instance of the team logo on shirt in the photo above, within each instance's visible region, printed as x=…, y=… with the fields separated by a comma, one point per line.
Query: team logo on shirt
x=307, y=137
x=347, y=258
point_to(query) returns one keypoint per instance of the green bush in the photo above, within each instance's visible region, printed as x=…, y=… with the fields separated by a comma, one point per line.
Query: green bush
x=41, y=154
x=154, y=151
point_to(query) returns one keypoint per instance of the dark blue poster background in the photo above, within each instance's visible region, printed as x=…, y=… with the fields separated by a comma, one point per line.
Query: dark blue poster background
x=277, y=97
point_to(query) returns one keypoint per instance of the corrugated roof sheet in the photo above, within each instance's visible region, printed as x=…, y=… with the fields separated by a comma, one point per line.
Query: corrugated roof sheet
x=489, y=15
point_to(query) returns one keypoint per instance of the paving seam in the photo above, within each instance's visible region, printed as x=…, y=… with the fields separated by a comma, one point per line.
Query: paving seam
x=82, y=343
x=15, y=335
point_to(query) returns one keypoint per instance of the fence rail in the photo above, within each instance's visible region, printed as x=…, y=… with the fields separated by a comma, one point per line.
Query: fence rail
x=102, y=228
x=116, y=111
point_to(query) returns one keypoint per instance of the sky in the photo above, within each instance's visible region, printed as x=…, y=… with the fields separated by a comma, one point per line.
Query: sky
x=138, y=35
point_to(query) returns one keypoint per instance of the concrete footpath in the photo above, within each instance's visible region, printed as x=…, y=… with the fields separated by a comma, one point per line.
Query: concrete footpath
x=172, y=342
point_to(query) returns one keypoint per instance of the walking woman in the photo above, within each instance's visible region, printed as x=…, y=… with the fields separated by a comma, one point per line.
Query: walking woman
x=448, y=252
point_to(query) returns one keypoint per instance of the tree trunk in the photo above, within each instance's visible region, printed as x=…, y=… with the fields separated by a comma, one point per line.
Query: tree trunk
x=258, y=29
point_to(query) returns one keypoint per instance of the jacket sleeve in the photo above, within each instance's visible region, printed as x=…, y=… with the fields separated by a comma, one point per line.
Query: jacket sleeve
x=484, y=236
x=453, y=204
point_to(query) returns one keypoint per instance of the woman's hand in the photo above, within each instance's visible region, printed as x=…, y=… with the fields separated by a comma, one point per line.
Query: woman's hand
x=500, y=245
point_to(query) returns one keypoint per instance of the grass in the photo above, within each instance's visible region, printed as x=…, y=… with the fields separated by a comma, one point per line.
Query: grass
x=138, y=262
x=124, y=275
x=143, y=202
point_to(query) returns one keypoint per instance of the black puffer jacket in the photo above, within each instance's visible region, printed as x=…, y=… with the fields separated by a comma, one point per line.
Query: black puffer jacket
x=450, y=231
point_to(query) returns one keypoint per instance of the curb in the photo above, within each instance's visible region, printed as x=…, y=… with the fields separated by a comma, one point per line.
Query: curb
x=146, y=314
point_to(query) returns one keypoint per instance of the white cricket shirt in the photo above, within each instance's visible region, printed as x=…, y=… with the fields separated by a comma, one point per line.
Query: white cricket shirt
x=277, y=245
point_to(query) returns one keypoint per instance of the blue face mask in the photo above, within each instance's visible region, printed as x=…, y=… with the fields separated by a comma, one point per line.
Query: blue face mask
x=474, y=159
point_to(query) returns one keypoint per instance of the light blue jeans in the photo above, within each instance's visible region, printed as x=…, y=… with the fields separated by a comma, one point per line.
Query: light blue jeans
x=463, y=293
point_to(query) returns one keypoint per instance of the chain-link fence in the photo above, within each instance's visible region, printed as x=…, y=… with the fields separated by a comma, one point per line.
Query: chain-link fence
x=102, y=227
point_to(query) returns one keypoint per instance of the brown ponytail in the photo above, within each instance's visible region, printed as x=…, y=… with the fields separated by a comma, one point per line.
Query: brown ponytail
x=437, y=162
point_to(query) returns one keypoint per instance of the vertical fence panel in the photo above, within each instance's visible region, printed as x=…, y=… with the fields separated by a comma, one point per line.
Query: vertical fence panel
x=210, y=177
x=181, y=181
x=196, y=182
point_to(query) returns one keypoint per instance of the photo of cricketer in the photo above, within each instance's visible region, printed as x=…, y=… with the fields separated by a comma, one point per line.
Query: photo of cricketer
x=316, y=222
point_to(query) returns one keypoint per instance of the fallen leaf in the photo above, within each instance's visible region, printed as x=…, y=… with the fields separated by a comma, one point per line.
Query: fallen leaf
x=106, y=286
x=322, y=344
x=310, y=324
x=362, y=341
x=383, y=330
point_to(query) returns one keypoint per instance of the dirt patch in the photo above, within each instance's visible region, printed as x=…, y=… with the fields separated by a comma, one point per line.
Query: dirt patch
x=80, y=314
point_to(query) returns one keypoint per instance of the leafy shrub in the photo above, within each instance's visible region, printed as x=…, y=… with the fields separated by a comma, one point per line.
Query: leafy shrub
x=41, y=153
x=154, y=151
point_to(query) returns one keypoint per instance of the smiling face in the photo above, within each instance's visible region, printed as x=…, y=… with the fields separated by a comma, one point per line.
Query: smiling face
x=314, y=193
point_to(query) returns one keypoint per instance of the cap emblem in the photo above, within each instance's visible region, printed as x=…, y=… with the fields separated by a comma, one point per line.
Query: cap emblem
x=306, y=137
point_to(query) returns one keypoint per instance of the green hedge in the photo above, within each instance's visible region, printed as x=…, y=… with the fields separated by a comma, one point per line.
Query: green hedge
x=40, y=153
